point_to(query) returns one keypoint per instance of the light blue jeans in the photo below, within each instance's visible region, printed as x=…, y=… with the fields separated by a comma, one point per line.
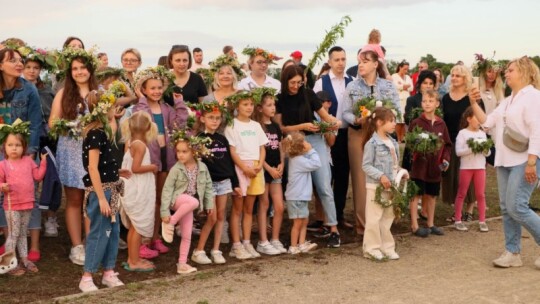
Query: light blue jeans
x=322, y=178
x=514, y=195
x=102, y=241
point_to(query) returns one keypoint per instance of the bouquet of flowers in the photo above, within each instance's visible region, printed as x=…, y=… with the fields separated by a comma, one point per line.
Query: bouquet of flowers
x=363, y=107
x=416, y=112
x=420, y=141
x=64, y=127
x=118, y=88
x=324, y=127
x=480, y=145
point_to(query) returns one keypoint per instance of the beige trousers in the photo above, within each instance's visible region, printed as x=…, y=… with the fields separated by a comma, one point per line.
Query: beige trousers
x=377, y=235
x=358, y=179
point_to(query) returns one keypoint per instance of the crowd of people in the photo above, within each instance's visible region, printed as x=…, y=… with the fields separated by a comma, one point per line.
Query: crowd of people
x=153, y=149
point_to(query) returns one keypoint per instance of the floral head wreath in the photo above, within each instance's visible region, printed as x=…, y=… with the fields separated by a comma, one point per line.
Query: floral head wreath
x=259, y=93
x=157, y=72
x=255, y=51
x=209, y=107
x=17, y=127
x=110, y=72
x=106, y=101
x=46, y=59
x=224, y=60
x=198, y=144
x=233, y=100
x=481, y=64
x=69, y=54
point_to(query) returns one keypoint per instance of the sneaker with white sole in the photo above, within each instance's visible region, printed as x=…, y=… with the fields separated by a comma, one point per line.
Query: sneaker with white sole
x=483, y=227
x=199, y=257
x=111, y=280
x=374, y=255
x=307, y=247
x=51, y=227
x=391, y=255
x=217, y=257
x=185, y=269
x=460, y=226
x=279, y=246
x=87, y=285
x=122, y=244
x=77, y=255
x=240, y=253
x=249, y=248
x=508, y=259
x=267, y=248
x=167, y=232
x=294, y=250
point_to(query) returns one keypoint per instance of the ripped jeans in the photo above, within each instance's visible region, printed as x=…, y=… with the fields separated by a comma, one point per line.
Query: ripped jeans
x=102, y=241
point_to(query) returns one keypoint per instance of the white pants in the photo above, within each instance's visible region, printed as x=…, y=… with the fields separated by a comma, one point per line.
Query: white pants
x=377, y=235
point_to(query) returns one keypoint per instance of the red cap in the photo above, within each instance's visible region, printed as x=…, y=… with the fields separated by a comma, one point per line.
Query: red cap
x=296, y=54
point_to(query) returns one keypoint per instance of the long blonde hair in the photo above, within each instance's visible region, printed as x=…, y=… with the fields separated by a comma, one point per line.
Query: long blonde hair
x=139, y=122
x=530, y=74
x=463, y=71
x=498, y=86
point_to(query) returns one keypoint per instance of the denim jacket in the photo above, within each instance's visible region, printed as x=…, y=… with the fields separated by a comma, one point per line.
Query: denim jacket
x=26, y=105
x=177, y=183
x=383, y=89
x=378, y=160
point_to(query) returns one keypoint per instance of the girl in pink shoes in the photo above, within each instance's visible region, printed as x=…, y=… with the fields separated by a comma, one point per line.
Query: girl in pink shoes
x=188, y=187
x=472, y=168
x=139, y=193
x=150, y=86
x=17, y=175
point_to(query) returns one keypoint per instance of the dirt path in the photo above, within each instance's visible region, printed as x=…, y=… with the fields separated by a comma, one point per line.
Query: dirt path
x=455, y=268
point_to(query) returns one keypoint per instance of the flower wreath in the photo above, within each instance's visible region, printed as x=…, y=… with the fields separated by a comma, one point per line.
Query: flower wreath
x=259, y=93
x=101, y=112
x=46, y=59
x=255, y=51
x=198, y=144
x=224, y=60
x=68, y=54
x=157, y=72
x=233, y=100
x=481, y=64
x=208, y=107
x=17, y=127
x=110, y=72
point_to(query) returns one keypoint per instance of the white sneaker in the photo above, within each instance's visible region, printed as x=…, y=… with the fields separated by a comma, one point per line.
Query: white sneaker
x=122, y=244
x=217, y=257
x=307, y=247
x=460, y=226
x=225, y=233
x=267, y=248
x=87, y=285
x=374, y=255
x=249, y=248
x=185, y=269
x=483, y=227
x=392, y=256
x=77, y=255
x=199, y=257
x=278, y=245
x=239, y=253
x=111, y=280
x=508, y=259
x=294, y=250
x=51, y=227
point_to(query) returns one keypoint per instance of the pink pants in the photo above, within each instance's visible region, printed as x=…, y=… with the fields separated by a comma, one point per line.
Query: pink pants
x=183, y=215
x=478, y=176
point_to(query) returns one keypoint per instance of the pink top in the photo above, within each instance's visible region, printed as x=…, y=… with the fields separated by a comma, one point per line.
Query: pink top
x=20, y=176
x=375, y=48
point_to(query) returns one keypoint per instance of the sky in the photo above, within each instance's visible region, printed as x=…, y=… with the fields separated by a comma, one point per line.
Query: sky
x=450, y=30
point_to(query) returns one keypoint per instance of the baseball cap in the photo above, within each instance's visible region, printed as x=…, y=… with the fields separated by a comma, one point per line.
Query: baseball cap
x=296, y=54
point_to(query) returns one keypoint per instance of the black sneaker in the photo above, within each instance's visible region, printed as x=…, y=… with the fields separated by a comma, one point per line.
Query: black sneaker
x=323, y=232
x=314, y=226
x=436, y=230
x=333, y=240
x=467, y=217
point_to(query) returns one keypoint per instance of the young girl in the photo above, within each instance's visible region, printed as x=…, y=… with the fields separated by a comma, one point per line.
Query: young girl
x=102, y=193
x=273, y=172
x=303, y=160
x=472, y=167
x=188, y=187
x=426, y=169
x=17, y=175
x=380, y=162
x=140, y=193
x=150, y=85
x=247, y=140
x=224, y=180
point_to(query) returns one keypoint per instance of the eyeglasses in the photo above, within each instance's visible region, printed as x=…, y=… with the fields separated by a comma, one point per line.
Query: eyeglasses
x=15, y=60
x=296, y=83
x=261, y=62
x=130, y=60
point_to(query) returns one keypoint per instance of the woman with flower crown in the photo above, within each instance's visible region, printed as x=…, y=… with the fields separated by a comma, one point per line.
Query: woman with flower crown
x=258, y=62
x=68, y=105
x=150, y=85
x=224, y=71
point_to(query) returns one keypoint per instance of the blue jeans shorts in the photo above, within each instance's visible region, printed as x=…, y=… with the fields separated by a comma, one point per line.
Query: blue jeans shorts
x=222, y=187
x=297, y=209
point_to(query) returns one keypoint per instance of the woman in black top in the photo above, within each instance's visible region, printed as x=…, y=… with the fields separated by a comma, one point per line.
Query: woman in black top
x=295, y=108
x=187, y=83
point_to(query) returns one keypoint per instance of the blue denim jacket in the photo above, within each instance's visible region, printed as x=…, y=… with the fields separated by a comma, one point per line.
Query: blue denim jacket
x=378, y=160
x=26, y=105
x=383, y=89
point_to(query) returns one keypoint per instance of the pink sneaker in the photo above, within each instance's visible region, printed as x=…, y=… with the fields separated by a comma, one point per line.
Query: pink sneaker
x=34, y=256
x=158, y=245
x=146, y=253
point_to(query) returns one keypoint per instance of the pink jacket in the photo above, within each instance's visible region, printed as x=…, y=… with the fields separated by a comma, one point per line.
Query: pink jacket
x=20, y=176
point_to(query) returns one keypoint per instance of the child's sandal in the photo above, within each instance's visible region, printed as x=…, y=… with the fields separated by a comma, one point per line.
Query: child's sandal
x=17, y=271
x=31, y=267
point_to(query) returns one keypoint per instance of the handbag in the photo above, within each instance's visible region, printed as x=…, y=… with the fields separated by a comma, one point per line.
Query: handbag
x=513, y=140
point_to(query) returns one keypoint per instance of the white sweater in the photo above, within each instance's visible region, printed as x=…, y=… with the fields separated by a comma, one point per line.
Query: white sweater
x=469, y=160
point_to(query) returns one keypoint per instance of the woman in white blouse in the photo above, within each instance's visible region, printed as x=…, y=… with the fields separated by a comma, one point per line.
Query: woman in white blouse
x=516, y=171
x=404, y=85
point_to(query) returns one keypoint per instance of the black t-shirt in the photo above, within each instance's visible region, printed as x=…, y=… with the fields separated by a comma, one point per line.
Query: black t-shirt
x=452, y=112
x=193, y=89
x=295, y=110
x=107, y=167
x=274, y=135
x=220, y=165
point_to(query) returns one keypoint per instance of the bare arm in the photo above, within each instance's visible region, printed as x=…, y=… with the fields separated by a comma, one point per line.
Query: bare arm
x=56, y=108
x=474, y=97
x=307, y=126
x=137, y=151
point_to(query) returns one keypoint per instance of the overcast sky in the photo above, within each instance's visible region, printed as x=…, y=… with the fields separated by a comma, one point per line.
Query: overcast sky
x=450, y=30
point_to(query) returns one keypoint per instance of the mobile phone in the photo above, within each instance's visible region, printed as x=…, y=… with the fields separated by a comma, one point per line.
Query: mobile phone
x=475, y=82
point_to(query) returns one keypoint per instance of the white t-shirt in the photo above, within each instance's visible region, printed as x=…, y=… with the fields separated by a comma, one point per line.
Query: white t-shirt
x=247, y=138
x=469, y=160
x=248, y=83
